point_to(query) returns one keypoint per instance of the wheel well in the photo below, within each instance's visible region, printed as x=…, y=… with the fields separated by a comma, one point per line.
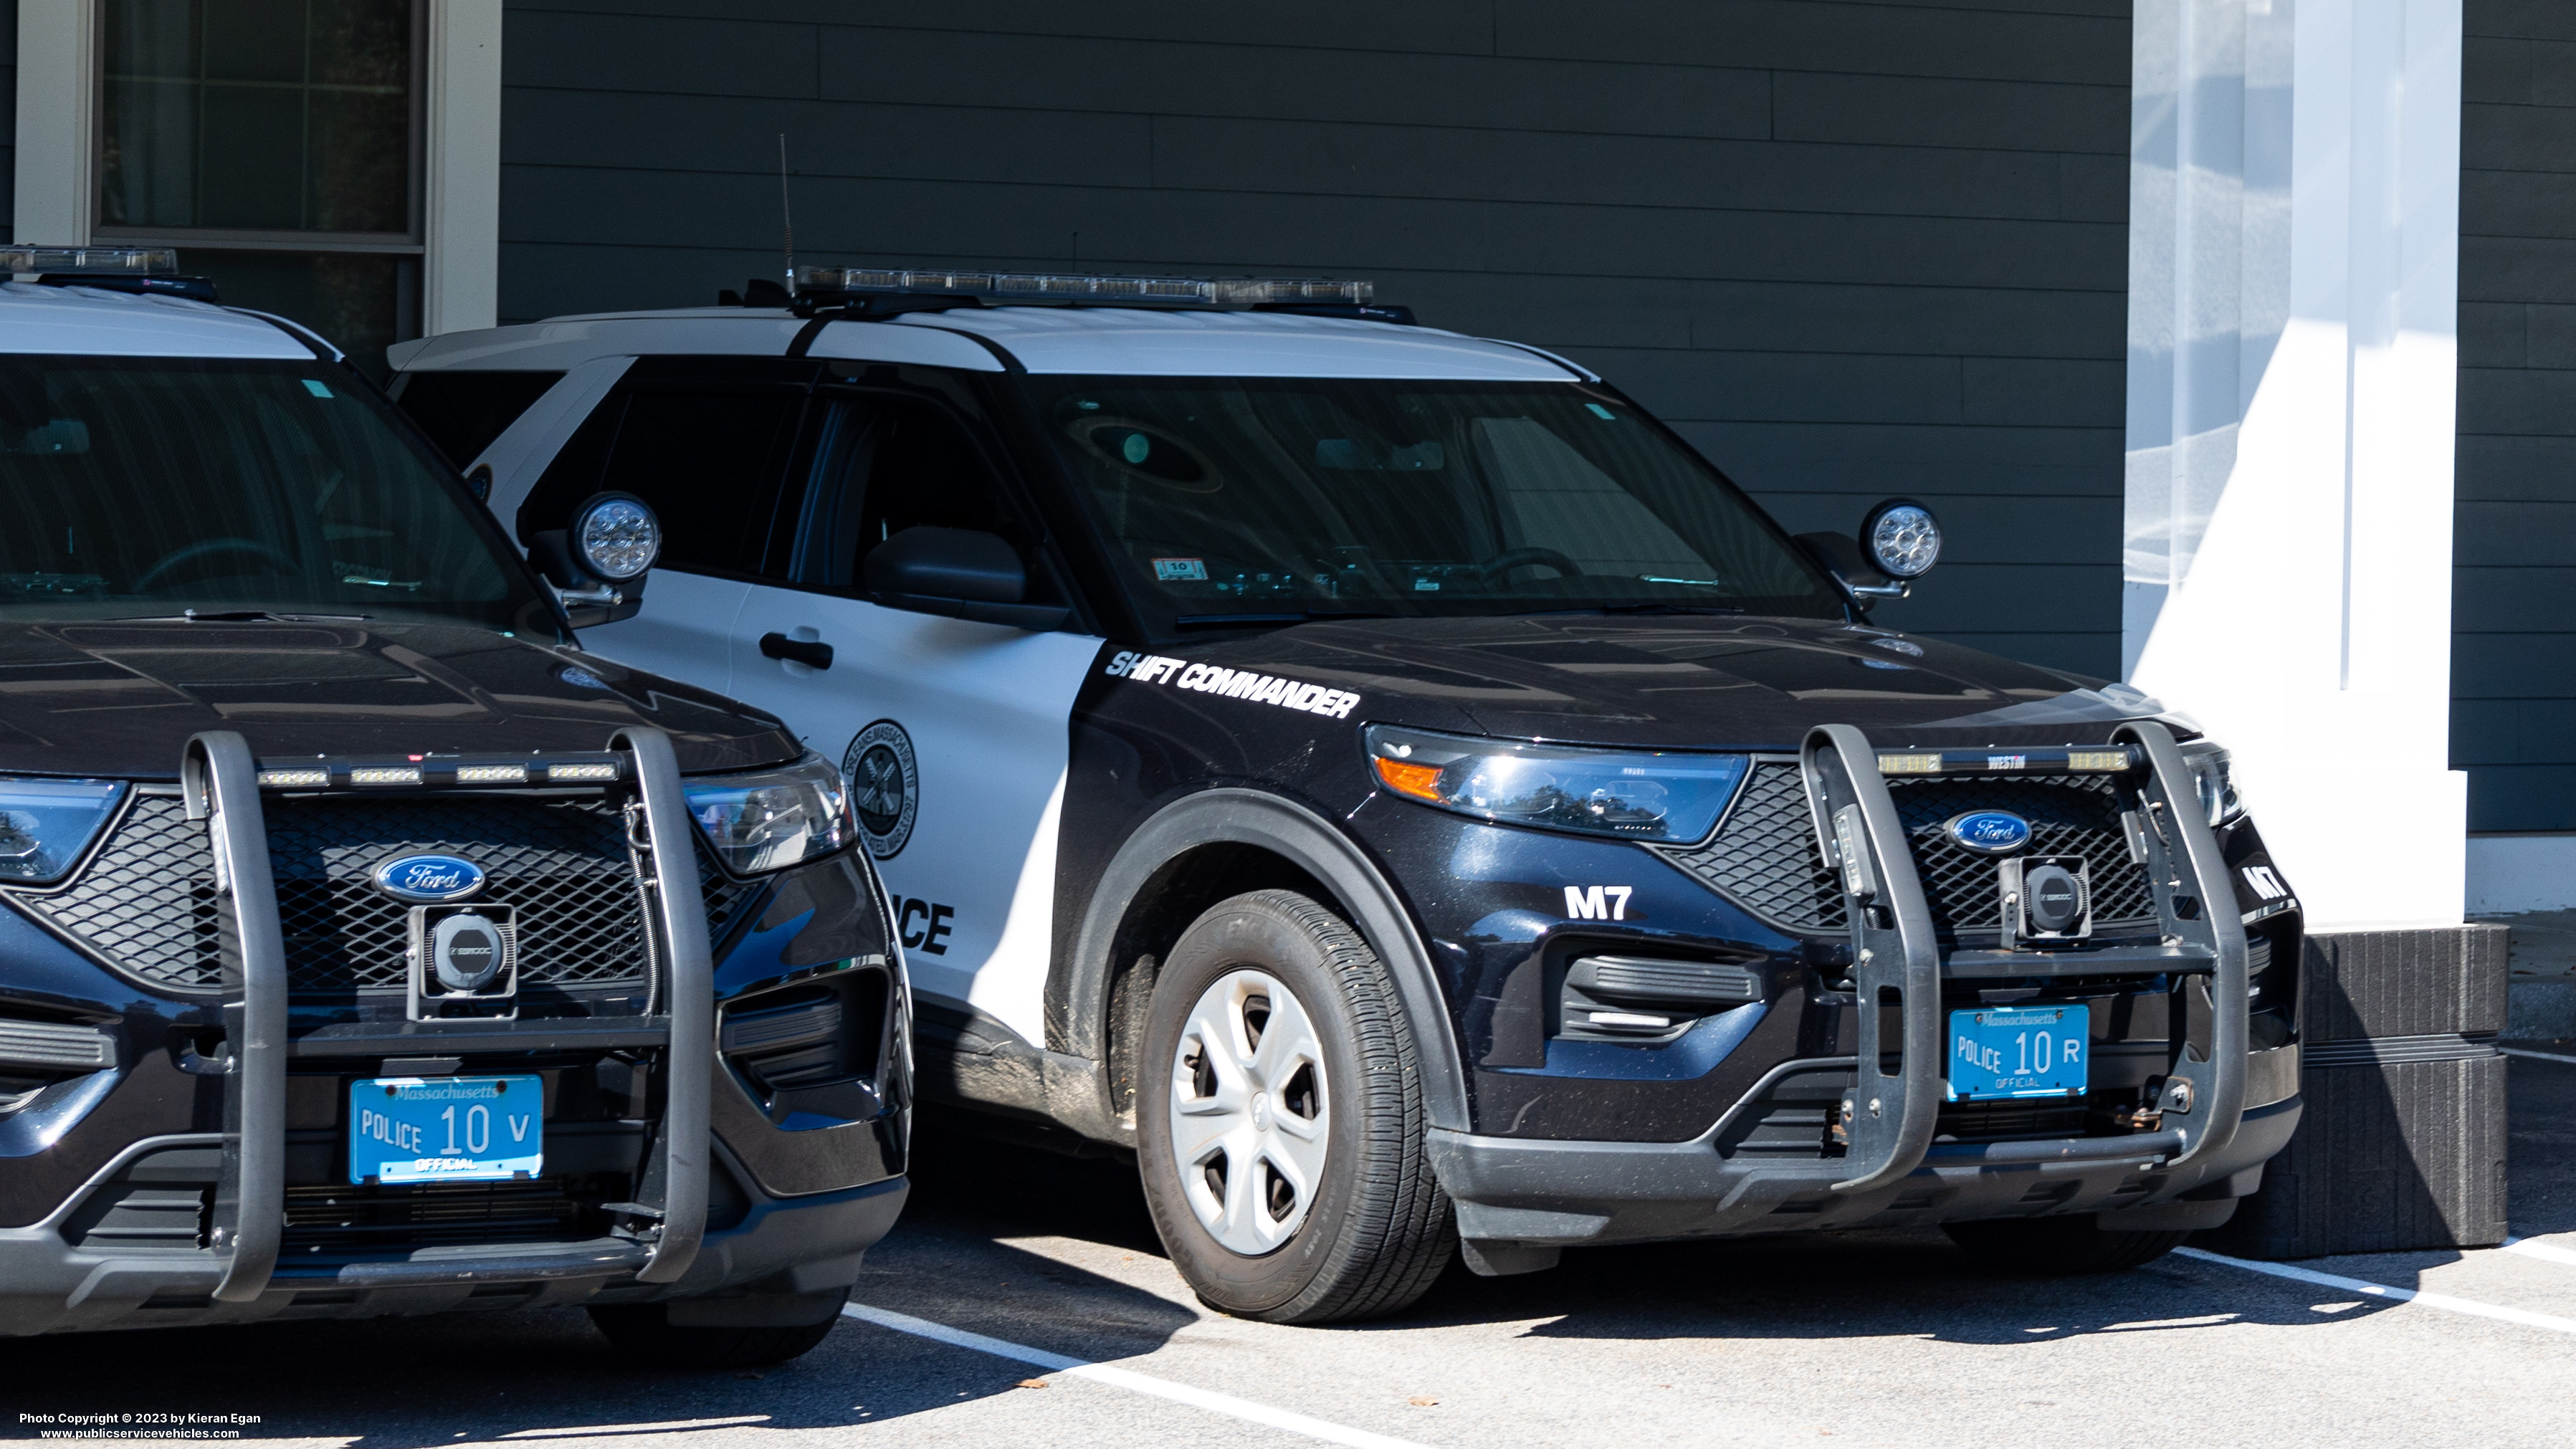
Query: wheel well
x=1180, y=891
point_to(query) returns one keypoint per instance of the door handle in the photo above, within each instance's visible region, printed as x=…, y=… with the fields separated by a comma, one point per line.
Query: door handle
x=808, y=652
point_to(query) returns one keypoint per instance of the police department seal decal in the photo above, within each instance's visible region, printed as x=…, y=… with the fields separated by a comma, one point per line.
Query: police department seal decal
x=885, y=786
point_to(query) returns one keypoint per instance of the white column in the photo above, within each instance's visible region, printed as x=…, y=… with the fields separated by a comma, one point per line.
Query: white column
x=2294, y=263
x=461, y=195
x=57, y=116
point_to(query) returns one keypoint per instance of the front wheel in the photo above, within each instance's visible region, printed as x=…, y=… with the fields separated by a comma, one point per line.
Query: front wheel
x=1282, y=1141
x=2060, y=1247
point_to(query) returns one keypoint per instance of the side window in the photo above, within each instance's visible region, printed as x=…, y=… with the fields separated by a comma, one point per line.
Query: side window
x=881, y=466
x=462, y=412
x=708, y=461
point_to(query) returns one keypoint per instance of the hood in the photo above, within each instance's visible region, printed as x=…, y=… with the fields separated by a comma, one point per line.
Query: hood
x=121, y=698
x=1694, y=681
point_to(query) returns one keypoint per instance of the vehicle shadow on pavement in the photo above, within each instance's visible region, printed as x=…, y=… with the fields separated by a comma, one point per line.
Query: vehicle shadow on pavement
x=1860, y=1285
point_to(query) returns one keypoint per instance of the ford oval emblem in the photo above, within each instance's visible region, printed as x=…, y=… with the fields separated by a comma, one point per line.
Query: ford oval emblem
x=429, y=878
x=1989, y=832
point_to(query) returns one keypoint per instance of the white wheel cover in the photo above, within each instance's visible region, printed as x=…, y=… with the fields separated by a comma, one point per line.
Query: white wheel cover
x=1251, y=1148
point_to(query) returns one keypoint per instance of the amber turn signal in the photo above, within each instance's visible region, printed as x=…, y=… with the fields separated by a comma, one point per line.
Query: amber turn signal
x=1422, y=782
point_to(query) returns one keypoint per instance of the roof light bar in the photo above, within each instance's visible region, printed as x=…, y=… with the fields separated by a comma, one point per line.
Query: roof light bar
x=1061, y=287
x=123, y=261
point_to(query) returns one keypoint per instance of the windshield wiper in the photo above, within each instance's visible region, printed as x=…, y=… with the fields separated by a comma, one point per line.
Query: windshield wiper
x=238, y=616
x=1274, y=616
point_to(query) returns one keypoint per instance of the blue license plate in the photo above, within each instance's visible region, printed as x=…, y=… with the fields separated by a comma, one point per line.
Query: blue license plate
x=2019, y=1051
x=446, y=1129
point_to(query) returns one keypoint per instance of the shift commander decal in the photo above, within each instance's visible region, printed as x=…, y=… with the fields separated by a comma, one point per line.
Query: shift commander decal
x=1232, y=683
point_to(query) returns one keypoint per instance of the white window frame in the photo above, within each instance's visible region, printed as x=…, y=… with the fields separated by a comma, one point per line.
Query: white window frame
x=58, y=129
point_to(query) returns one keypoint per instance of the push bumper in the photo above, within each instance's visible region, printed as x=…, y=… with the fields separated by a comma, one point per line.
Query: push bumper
x=56, y=1275
x=1518, y=1199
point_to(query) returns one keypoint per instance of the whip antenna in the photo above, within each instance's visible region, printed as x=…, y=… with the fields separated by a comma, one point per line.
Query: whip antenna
x=786, y=217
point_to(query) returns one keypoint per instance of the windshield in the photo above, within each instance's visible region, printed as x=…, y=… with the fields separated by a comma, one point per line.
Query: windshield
x=1239, y=500
x=146, y=487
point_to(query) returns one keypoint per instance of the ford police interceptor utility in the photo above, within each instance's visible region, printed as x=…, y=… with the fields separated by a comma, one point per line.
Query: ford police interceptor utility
x=1389, y=783
x=366, y=947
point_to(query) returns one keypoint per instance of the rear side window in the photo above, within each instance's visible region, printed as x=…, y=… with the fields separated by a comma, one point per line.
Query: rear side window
x=462, y=412
x=708, y=461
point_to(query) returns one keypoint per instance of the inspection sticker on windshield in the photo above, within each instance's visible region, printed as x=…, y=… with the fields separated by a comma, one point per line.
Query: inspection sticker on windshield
x=1181, y=570
x=1241, y=684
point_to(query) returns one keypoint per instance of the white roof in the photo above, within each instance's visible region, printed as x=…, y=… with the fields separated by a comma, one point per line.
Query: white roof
x=89, y=321
x=1107, y=340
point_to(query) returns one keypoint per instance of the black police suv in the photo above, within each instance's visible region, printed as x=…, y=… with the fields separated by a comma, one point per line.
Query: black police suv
x=1388, y=783
x=366, y=947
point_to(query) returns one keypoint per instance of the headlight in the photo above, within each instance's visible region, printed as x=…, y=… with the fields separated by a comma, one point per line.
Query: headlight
x=46, y=824
x=1635, y=795
x=2211, y=768
x=771, y=819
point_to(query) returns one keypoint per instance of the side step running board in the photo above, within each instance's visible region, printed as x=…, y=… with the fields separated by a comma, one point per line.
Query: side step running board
x=1898, y=969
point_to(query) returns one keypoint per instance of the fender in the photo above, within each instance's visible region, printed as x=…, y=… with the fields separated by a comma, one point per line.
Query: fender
x=1077, y=997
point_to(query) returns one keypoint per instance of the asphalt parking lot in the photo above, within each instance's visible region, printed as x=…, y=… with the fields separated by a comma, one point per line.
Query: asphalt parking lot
x=1013, y=1266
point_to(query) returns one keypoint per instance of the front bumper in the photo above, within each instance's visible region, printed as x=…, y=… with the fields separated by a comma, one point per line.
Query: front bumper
x=1577, y=1194
x=801, y=1245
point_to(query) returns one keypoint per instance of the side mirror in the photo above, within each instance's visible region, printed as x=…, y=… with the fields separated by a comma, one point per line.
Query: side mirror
x=960, y=573
x=597, y=566
x=1899, y=541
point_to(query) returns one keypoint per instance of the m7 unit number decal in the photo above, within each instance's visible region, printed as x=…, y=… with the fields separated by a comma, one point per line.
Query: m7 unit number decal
x=1241, y=684
x=1598, y=903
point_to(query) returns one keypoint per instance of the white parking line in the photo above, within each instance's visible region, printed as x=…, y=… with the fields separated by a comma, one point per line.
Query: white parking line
x=2368, y=1289
x=2537, y=1056
x=2534, y=1248
x=1128, y=1379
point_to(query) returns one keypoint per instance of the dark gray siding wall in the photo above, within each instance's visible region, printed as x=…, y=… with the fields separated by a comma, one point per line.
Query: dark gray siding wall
x=9, y=119
x=2513, y=662
x=1851, y=250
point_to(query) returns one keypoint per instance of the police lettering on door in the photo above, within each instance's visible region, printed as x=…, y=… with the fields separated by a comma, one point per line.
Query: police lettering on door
x=923, y=925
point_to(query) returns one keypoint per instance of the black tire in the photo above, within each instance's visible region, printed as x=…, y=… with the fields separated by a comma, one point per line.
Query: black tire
x=1377, y=1229
x=2060, y=1247
x=644, y=1331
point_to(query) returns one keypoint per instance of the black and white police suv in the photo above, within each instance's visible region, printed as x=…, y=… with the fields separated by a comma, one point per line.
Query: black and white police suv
x=366, y=947
x=1396, y=788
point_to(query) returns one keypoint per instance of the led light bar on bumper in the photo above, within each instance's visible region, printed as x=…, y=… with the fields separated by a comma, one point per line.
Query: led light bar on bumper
x=1054, y=286
x=771, y=819
x=1630, y=794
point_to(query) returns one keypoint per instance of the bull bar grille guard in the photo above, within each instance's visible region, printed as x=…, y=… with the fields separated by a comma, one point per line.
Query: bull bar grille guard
x=1897, y=963
x=221, y=784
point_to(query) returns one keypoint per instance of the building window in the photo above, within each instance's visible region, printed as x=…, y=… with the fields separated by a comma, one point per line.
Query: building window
x=277, y=144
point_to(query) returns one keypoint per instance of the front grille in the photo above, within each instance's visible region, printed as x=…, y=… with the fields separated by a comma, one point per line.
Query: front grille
x=562, y=863
x=2068, y=815
x=1764, y=855
x=147, y=904
x=355, y=1218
